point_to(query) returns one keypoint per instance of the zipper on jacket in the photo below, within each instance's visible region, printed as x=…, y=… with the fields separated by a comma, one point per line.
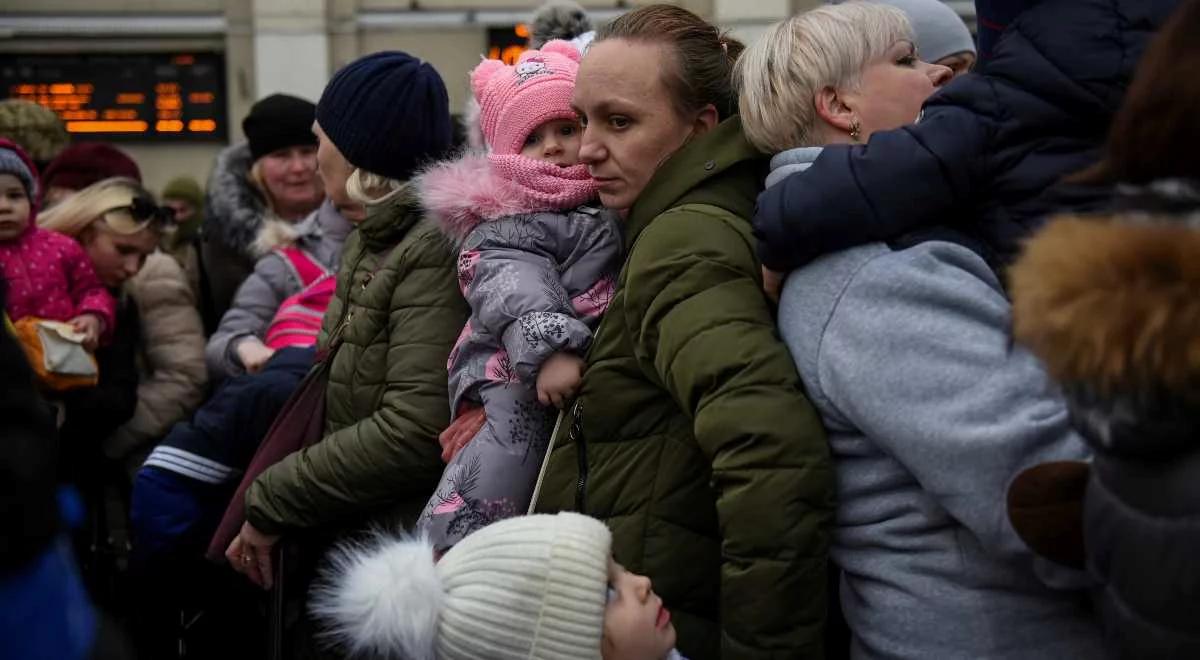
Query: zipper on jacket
x=576, y=435
x=335, y=337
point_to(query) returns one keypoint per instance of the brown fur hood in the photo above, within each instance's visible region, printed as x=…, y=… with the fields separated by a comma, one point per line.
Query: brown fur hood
x=1113, y=303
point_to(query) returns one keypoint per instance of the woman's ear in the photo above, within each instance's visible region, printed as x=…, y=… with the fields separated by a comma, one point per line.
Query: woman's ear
x=706, y=120
x=833, y=111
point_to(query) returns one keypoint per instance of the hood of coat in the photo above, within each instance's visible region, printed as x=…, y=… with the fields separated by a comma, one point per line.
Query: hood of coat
x=1109, y=304
x=390, y=218
x=235, y=210
x=786, y=163
x=323, y=224
x=1076, y=56
x=720, y=167
x=460, y=194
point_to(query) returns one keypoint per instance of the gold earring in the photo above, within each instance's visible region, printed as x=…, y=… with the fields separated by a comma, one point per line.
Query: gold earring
x=855, y=131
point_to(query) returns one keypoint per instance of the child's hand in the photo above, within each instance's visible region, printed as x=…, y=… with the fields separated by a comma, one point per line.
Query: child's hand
x=90, y=326
x=559, y=378
x=253, y=355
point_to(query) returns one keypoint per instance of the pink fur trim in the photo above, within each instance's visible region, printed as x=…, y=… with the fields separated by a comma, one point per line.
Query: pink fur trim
x=462, y=193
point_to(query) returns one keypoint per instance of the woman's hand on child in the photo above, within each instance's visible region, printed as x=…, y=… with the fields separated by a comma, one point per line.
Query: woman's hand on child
x=90, y=326
x=559, y=379
x=253, y=355
x=466, y=425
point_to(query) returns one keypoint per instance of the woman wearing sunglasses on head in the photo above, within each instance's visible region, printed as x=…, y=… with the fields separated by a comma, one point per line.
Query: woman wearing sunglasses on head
x=152, y=374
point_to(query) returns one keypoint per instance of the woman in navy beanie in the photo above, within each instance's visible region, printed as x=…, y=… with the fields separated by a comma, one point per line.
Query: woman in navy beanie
x=387, y=113
x=389, y=329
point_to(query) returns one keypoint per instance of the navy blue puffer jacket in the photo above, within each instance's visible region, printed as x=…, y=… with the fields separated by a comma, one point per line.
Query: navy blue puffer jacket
x=987, y=148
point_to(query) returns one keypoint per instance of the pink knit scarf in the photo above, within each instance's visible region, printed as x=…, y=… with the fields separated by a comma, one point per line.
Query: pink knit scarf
x=546, y=186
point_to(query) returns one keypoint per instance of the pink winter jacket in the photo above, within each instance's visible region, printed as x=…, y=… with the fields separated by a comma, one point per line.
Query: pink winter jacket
x=50, y=276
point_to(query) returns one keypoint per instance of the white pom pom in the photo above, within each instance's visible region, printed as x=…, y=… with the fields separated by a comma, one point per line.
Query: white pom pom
x=564, y=48
x=381, y=598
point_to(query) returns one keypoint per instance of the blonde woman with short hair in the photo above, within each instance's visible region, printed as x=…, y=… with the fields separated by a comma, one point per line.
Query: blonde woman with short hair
x=153, y=374
x=904, y=349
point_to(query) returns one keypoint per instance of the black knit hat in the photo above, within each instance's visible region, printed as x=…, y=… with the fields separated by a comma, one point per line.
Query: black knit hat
x=277, y=122
x=388, y=113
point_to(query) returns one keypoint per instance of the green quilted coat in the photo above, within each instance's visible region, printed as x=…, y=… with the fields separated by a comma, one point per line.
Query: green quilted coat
x=397, y=311
x=691, y=436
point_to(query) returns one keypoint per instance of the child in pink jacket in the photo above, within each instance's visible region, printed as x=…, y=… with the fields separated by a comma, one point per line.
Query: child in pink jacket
x=48, y=274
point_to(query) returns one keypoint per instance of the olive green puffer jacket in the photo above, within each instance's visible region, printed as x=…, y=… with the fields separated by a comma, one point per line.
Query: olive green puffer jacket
x=397, y=311
x=691, y=436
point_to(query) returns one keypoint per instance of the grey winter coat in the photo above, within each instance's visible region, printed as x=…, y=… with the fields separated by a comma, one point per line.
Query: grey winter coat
x=235, y=215
x=321, y=235
x=537, y=282
x=930, y=414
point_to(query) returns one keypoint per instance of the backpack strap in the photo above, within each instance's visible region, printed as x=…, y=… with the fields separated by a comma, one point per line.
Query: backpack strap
x=305, y=267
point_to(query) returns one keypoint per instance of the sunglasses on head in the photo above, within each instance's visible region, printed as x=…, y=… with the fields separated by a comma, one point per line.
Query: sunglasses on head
x=139, y=214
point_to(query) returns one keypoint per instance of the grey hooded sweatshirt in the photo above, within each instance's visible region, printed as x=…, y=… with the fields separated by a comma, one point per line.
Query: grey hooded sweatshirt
x=321, y=235
x=931, y=413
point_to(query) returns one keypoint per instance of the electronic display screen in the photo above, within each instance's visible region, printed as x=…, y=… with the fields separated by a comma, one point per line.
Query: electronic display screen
x=150, y=97
x=507, y=44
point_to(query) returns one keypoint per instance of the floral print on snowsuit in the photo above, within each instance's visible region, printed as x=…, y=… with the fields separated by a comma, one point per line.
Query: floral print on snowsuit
x=537, y=282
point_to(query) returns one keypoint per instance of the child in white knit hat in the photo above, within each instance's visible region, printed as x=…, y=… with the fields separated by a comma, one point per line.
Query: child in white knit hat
x=542, y=586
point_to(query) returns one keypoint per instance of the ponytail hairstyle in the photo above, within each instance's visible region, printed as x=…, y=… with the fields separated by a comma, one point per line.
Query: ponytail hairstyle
x=704, y=56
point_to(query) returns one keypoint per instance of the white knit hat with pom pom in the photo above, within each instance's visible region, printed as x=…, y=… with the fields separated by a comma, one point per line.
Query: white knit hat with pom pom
x=526, y=587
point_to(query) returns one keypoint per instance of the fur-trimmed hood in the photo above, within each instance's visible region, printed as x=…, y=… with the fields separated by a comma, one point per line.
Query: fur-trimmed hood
x=325, y=224
x=235, y=209
x=1112, y=306
x=460, y=194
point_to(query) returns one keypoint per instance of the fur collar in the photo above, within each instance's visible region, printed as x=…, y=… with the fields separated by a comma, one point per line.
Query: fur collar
x=461, y=194
x=1113, y=303
x=235, y=210
x=325, y=222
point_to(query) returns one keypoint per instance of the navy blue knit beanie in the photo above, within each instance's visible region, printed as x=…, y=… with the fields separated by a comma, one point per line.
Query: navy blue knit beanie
x=388, y=113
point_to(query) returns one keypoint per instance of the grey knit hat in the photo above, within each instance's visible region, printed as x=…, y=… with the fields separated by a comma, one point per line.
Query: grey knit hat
x=558, y=19
x=940, y=31
x=12, y=163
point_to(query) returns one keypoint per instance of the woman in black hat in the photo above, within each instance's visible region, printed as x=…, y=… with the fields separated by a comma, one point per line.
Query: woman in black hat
x=271, y=176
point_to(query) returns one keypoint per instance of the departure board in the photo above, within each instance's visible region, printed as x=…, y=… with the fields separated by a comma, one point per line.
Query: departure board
x=155, y=97
x=507, y=44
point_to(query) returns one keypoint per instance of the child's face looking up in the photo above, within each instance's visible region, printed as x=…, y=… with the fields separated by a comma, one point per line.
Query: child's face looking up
x=14, y=206
x=555, y=142
x=636, y=625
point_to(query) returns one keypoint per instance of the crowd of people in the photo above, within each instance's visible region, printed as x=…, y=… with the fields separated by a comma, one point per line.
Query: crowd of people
x=870, y=339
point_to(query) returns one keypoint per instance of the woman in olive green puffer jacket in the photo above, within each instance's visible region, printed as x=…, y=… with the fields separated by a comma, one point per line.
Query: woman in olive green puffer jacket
x=396, y=313
x=691, y=437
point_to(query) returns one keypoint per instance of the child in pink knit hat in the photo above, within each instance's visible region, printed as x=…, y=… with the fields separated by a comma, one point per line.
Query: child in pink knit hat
x=537, y=264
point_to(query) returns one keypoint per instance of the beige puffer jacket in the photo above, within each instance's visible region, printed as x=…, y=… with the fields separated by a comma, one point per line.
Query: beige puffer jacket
x=172, y=375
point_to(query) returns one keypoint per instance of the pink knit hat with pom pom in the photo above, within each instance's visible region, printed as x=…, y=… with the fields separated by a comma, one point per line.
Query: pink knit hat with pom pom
x=515, y=100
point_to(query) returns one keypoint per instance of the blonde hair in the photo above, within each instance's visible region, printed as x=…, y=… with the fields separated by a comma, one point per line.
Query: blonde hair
x=779, y=76
x=369, y=188
x=76, y=213
x=259, y=182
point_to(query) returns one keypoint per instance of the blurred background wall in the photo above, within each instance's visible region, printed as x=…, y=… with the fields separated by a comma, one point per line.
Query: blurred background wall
x=242, y=50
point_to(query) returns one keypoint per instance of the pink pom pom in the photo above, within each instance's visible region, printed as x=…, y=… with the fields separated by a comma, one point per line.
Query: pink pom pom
x=482, y=74
x=560, y=47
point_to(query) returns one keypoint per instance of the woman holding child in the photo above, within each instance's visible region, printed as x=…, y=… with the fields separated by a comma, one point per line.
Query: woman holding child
x=904, y=345
x=156, y=358
x=690, y=435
